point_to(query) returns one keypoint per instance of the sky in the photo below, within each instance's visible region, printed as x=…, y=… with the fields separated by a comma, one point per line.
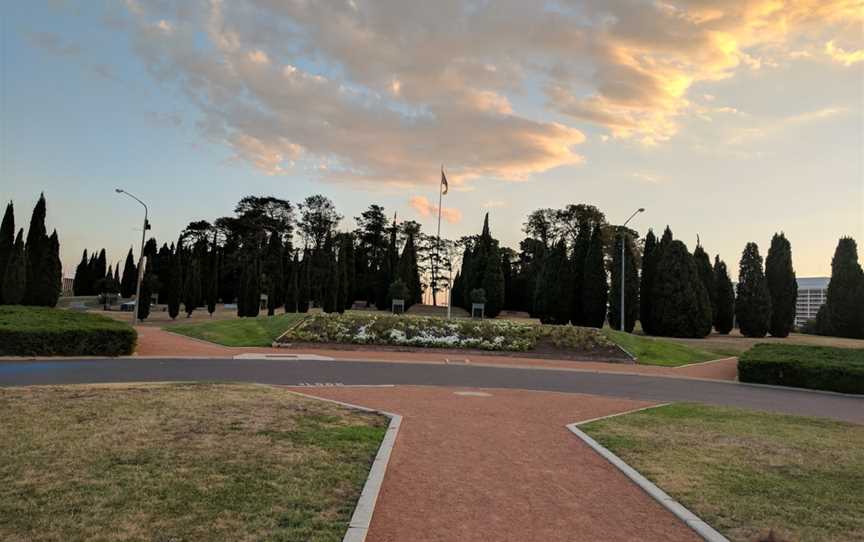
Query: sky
x=728, y=120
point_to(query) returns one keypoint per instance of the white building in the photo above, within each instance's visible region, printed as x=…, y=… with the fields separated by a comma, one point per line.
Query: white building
x=812, y=292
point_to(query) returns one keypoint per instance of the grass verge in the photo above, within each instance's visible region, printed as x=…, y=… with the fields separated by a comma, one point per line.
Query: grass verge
x=43, y=331
x=179, y=462
x=261, y=331
x=816, y=367
x=747, y=473
x=652, y=351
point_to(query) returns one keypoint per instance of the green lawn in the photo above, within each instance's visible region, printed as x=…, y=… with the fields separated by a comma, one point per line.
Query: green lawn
x=746, y=473
x=654, y=351
x=261, y=331
x=179, y=462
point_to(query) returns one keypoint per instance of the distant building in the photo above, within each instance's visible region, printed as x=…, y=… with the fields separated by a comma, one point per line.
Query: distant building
x=812, y=292
x=66, y=286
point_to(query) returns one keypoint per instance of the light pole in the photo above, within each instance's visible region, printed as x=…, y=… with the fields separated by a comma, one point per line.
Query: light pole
x=623, y=242
x=140, y=254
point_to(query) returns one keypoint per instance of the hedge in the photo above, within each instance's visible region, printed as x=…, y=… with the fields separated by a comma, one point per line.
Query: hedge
x=814, y=367
x=41, y=331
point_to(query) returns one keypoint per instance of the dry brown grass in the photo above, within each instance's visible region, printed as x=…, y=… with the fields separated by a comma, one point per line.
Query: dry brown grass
x=179, y=461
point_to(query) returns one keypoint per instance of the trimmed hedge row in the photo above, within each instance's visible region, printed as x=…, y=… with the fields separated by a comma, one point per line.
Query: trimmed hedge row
x=814, y=367
x=40, y=331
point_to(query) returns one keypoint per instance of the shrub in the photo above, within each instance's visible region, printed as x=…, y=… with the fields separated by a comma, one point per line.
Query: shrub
x=40, y=331
x=815, y=367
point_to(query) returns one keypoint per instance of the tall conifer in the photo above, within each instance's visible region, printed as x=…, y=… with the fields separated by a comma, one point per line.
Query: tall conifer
x=753, y=301
x=595, y=289
x=724, y=296
x=7, y=241
x=782, y=285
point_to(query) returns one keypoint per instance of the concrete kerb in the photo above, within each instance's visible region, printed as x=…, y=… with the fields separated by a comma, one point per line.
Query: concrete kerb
x=693, y=521
x=358, y=528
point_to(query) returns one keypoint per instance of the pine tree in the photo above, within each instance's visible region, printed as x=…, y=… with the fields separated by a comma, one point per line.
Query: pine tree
x=129, y=282
x=7, y=242
x=15, y=275
x=680, y=306
x=78, y=283
x=706, y=273
x=595, y=290
x=842, y=314
x=552, y=294
x=646, y=281
x=724, y=296
x=38, y=259
x=782, y=286
x=631, y=286
x=753, y=301
x=577, y=275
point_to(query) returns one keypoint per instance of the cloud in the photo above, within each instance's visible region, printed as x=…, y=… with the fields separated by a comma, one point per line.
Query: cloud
x=770, y=127
x=847, y=58
x=649, y=178
x=384, y=91
x=53, y=44
x=424, y=207
x=495, y=204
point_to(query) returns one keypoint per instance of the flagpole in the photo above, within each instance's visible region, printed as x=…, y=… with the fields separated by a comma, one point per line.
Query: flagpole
x=438, y=244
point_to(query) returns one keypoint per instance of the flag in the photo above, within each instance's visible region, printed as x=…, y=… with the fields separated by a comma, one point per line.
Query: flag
x=443, y=181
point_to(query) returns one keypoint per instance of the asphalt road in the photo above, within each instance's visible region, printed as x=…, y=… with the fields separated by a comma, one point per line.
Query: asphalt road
x=316, y=373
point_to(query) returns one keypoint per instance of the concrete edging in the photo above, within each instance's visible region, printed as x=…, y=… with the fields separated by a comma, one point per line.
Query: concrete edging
x=361, y=519
x=693, y=521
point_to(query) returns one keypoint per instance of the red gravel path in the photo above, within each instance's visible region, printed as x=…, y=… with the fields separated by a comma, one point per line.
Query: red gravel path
x=153, y=341
x=501, y=468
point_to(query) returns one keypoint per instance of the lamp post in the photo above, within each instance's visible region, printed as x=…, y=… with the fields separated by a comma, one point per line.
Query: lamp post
x=623, y=242
x=140, y=254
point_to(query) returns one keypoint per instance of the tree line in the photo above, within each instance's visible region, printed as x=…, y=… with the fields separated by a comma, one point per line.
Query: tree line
x=30, y=271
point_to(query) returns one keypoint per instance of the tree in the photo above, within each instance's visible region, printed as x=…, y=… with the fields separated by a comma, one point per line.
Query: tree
x=172, y=290
x=292, y=287
x=782, y=286
x=7, y=241
x=706, y=273
x=52, y=275
x=304, y=288
x=753, y=301
x=274, y=273
x=552, y=295
x=330, y=292
x=249, y=298
x=318, y=218
x=211, y=283
x=631, y=286
x=408, y=273
x=142, y=303
x=595, y=290
x=129, y=282
x=680, y=306
x=97, y=273
x=15, y=275
x=36, y=251
x=371, y=236
x=577, y=275
x=724, y=297
x=842, y=315
x=646, y=281
x=80, y=279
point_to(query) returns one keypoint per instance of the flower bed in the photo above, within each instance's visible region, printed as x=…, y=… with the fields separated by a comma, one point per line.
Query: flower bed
x=429, y=332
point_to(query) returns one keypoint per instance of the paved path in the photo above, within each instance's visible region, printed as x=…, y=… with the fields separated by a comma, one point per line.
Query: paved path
x=154, y=341
x=300, y=372
x=502, y=467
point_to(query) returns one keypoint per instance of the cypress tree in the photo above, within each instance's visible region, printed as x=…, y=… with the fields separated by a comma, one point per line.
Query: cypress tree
x=97, y=274
x=129, y=281
x=274, y=274
x=753, y=302
x=192, y=280
x=680, y=306
x=706, y=273
x=782, y=286
x=348, y=278
x=37, y=253
x=664, y=242
x=7, y=241
x=304, y=290
x=211, y=292
x=142, y=304
x=552, y=294
x=843, y=315
x=53, y=273
x=292, y=285
x=116, y=276
x=330, y=291
x=173, y=281
x=249, y=298
x=457, y=293
x=724, y=296
x=409, y=274
x=577, y=275
x=15, y=275
x=631, y=286
x=595, y=290
x=646, y=281
x=78, y=283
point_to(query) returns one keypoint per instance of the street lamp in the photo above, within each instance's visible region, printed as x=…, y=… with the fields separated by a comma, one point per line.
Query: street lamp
x=140, y=254
x=623, y=242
